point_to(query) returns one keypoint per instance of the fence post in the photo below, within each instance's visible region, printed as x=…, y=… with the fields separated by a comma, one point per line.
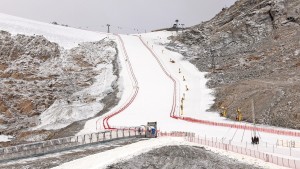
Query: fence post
x=104, y=136
x=117, y=133
x=267, y=158
x=110, y=134
x=123, y=133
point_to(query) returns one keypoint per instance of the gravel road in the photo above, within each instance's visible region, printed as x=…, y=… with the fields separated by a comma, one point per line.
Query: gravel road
x=180, y=157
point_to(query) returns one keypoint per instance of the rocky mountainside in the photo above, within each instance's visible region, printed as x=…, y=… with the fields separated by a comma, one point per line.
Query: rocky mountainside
x=36, y=73
x=252, y=51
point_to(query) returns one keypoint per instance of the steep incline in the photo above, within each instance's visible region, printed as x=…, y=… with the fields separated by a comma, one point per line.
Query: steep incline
x=255, y=46
x=155, y=89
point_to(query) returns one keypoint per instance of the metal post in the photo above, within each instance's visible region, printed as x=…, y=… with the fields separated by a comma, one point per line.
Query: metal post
x=253, y=116
x=213, y=64
x=108, y=25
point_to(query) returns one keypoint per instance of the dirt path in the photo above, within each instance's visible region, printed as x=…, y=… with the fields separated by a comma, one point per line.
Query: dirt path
x=181, y=157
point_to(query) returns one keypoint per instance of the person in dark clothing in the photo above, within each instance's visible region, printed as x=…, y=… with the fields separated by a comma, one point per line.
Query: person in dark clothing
x=252, y=140
x=139, y=130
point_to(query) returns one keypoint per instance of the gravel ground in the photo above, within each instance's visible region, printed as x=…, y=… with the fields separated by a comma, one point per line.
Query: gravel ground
x=181, y=157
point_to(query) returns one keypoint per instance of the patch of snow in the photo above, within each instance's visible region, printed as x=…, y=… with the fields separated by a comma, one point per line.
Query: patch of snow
x=61, y=113
x=5, y=138
x=297, y=52
x=66, y=37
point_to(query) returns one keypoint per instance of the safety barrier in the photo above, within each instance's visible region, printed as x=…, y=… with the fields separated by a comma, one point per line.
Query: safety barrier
x=281, y=161
x=286, y=143
x=61, y=144
x=129, y=100
x=176, y=134
x=239, y=126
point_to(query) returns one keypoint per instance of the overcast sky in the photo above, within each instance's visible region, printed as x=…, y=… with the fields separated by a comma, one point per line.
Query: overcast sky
x=124, y=16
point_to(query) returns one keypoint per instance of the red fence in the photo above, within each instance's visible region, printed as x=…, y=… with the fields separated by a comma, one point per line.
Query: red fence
x=238, y=126
x=176, y=134
x=133, y=96
x=285, y=162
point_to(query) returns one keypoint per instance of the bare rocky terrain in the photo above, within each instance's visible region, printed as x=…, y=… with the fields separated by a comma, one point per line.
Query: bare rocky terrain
x=35, y=73
x=252, y=51
x=181, y=157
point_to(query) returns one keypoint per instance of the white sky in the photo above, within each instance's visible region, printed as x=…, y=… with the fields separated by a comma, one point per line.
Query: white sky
x=125, y=16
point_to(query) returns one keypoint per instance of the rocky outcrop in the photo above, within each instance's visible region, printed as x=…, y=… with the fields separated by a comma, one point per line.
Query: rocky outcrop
x=252, y=50
x=35, y=73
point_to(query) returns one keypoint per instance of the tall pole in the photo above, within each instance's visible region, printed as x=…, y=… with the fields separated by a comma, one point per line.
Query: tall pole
x=253, y=116
x=176, y=25
x=213, y=65
x=108, y=25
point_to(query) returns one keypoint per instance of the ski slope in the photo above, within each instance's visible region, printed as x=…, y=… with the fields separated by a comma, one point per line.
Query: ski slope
x=151, y=87
x=154, y=100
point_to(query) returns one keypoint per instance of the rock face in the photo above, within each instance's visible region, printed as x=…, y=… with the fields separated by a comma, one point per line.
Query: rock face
x=253, y=52
x=35, y=72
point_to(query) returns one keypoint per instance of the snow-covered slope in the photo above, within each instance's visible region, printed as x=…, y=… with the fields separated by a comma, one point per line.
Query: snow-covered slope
x=65, y=36
x=154, y=99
